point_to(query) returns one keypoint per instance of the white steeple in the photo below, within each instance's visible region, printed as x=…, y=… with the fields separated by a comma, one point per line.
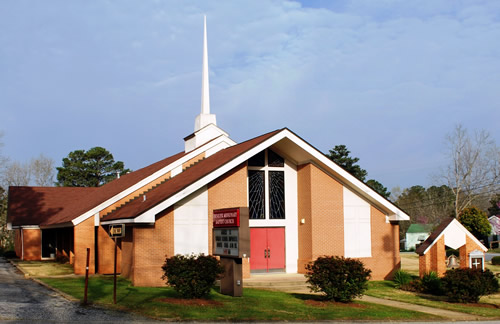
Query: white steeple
x=205, y=117
x=205, y=126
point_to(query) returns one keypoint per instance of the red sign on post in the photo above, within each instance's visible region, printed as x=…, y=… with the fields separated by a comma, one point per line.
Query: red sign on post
x=226, y=217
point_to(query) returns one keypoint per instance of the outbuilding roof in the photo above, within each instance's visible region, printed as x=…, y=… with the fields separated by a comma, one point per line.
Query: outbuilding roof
x=449, y=226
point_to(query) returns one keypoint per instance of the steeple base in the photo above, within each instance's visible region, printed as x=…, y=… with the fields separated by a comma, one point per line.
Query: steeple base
x=205, y=135
x=203, y=120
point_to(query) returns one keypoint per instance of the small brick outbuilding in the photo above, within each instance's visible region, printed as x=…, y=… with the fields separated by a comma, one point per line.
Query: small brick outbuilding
x=454, y=235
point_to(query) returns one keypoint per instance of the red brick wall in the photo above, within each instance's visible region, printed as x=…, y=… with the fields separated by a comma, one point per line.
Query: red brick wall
x=32, y=244
x=84, y=238
x=151, y=246
x=228, y=191
x=465, y=250
x=320, y=203
x=106, y=252
x=17, y=243
x=434, y=259
x=385, y=258
x=127, y=255
x=304, y=212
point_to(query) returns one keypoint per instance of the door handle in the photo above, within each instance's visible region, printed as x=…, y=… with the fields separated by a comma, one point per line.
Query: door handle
x=268, y=253
x=265, y=253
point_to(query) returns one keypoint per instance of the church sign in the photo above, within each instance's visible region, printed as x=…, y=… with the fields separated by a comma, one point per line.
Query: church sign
x=231, y=233
x=226, y=217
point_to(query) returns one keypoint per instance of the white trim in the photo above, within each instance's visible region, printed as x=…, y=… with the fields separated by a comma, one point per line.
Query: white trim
x=149, y=179
x=9, y=227
x=346, y=177
x=96, y=219
x=30, y=226
x=125, y=221
x=461, y=227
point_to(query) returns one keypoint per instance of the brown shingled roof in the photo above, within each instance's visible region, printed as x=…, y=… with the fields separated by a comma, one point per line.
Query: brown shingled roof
x=109, y=190
x=434, y=235
x=37, y=205
x=184, y=179
x=65, y=204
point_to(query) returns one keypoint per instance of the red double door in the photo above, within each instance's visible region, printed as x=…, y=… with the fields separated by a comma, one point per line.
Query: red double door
x=267, y=248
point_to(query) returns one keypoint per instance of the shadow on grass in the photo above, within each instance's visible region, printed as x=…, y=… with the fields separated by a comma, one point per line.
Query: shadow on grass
x=309, y=297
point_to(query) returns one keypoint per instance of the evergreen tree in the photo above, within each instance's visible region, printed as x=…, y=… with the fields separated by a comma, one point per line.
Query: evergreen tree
x=91, y=168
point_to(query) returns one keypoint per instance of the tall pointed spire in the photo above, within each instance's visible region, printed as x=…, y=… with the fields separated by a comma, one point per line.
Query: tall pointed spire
x=205, y=91
x=205, y=117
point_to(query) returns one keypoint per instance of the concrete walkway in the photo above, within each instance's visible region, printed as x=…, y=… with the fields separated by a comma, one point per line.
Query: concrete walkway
x=446, y=314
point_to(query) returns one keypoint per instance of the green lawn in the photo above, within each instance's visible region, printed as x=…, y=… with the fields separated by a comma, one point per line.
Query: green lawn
x=385, y=289
x=255, y=305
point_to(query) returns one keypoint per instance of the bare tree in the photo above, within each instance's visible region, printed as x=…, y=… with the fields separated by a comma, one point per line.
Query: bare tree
x=3, y=159
x=42, y=170
x=16, y=174
x=473, y=171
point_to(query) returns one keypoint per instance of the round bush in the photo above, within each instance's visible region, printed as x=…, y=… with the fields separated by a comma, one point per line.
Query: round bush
x=340, y=279
x=192, y=276
x=495, y=260
x=468, y=285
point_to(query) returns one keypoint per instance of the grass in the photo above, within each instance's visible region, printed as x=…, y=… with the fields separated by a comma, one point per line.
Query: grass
x=409, y=263
x=44, y=268
x=255, y=305
x=385, y=289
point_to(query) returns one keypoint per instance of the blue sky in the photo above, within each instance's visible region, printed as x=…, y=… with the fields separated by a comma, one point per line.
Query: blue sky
x=389, y=78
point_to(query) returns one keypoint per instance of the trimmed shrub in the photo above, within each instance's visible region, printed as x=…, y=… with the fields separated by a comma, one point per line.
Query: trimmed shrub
x=432, y=284
x=468, y=285
x=402, y=279
x=192, y=276
x=340, y=279
x=495, y=260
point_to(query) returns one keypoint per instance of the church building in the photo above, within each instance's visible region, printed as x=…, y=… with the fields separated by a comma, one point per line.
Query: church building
x=301, y=206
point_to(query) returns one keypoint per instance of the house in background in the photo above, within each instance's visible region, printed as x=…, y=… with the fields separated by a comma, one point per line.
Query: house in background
x=494, y=239
x=302, y=206
x=416, y=235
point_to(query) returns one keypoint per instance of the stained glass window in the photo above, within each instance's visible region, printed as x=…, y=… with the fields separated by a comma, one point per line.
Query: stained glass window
x=258, y=160
x=256, y=194
x=274, y=160
x=276, y=195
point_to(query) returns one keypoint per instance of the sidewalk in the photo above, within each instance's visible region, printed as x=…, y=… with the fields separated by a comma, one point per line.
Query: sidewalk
x=446, y=314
